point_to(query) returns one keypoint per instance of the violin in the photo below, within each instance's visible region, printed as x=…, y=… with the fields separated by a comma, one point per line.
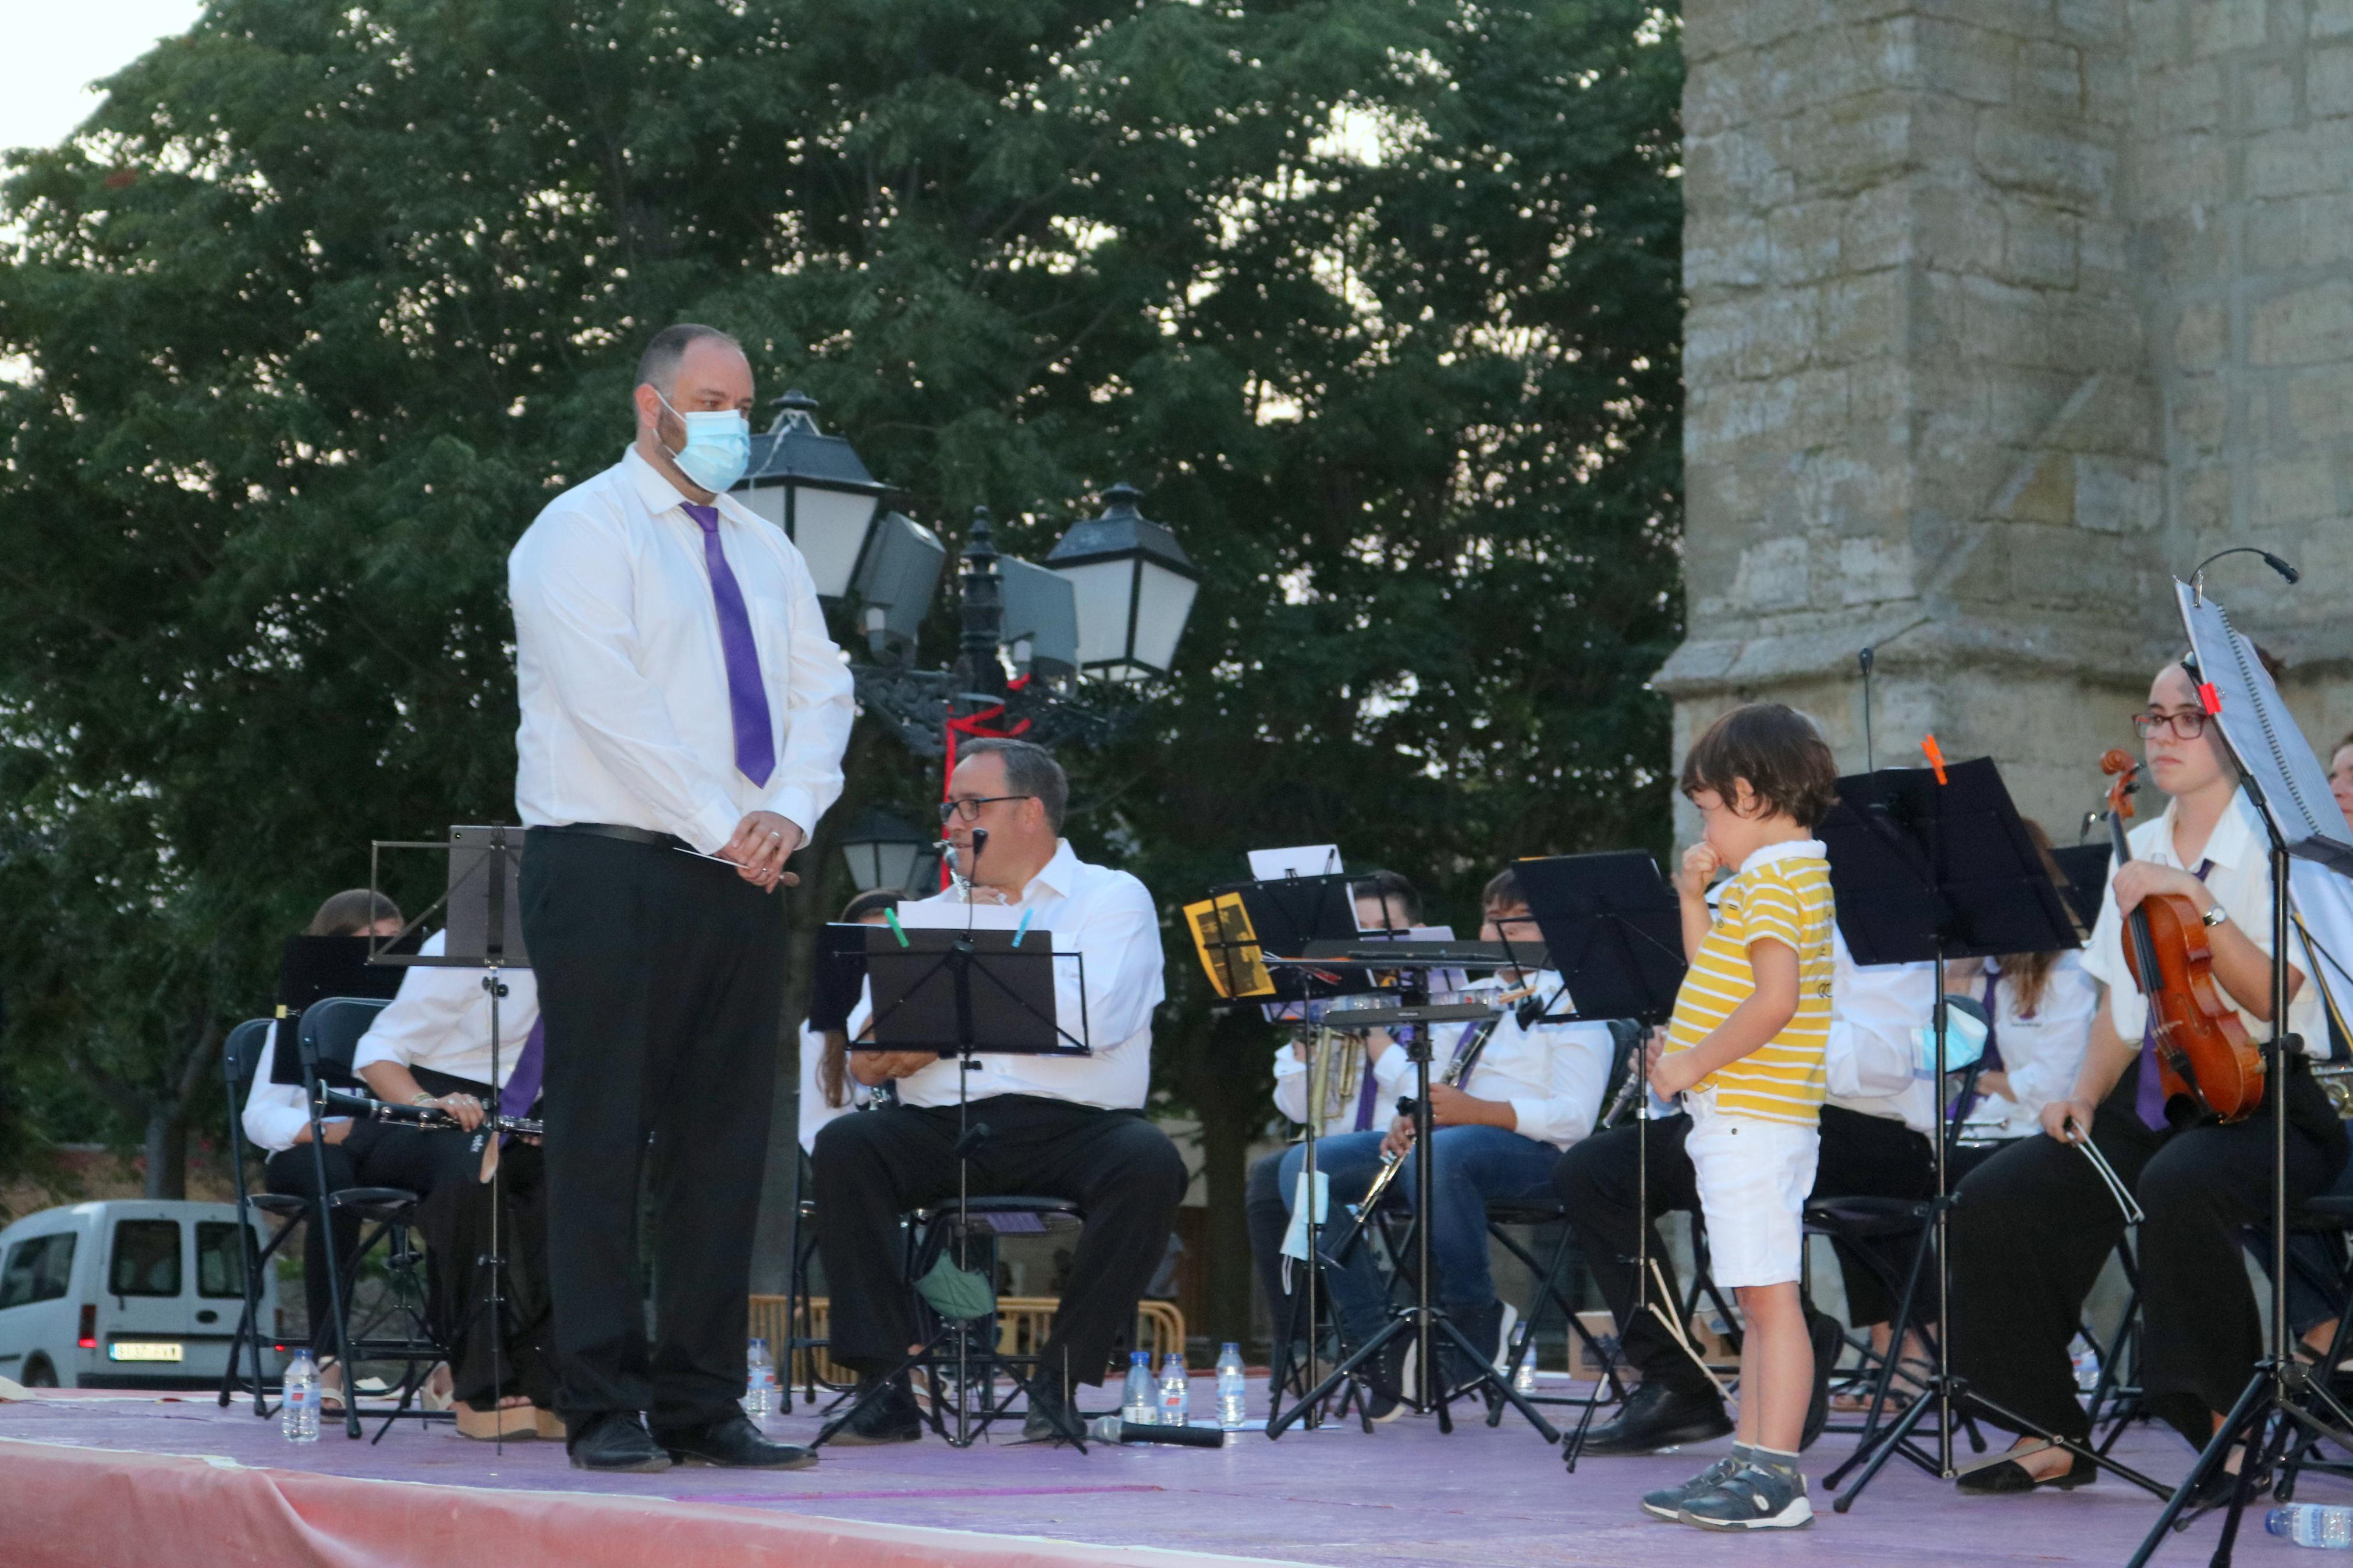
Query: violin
x=2202, y=1050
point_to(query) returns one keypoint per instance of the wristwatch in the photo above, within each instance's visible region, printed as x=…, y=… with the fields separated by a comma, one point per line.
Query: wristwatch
x=2217, y=915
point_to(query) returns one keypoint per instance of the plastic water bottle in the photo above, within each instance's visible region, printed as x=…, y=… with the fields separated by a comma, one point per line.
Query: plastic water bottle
x=760, y=1382
x=1176, y=1393
x=1523, y=1376
x=1233, y=1389
x=1138, y=1401
x=2328, y=1527
x=298, y=1420
x=2087, y=1365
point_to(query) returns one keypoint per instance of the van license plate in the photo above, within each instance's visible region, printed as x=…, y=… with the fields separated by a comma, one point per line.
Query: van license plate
x=143, y=1349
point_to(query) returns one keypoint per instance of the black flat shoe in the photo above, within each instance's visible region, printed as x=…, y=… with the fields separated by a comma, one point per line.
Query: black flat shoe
x=614, y=1442
x=734, y=1445
x=2009, y=1477
x=890, y=1416
x=1656, y=1416
x=1051, y=1417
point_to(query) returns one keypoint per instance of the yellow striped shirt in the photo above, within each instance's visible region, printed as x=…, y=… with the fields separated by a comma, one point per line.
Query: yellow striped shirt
x=1782, y=894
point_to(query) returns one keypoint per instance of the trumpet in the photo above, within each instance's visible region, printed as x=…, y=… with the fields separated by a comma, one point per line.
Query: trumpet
x=343, y=1102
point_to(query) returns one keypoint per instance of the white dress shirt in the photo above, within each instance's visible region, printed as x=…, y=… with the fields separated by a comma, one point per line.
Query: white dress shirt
x=814, y=1111
x=275, y=1113
x=619, y=673
x=1390, y=1068
x=1552, y=1075
x=2041, y=1055
x=1875, y=1008
x=441, y=1020
x=1107, y=916
x=2241, y=881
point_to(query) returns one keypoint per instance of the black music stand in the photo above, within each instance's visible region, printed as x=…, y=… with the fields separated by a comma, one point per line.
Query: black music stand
x=965, y=994
x=1411, y=965
x=2283, y=783
x=2087, y=868
x=1287, y=913
x=1614, y=931
x=1929, y=864
x=484, y=898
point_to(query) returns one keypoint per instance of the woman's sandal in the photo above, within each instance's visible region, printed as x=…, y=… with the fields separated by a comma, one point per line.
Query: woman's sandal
x=2003, y=1474
x=331, y=1396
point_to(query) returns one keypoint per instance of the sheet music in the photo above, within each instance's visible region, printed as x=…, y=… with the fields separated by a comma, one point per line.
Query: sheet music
x=1301, y=860
x=941, y=914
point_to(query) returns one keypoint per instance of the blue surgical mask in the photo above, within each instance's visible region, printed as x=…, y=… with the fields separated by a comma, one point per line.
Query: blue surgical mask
x=718, y=447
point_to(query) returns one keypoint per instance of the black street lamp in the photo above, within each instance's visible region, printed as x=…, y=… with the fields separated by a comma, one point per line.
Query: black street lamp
x=813, y=486
x=884, y=851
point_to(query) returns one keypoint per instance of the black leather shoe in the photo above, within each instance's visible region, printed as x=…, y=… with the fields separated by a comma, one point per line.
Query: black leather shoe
x=890, y=1416
x=733, y=1444
x=1656, y=1416
x=1051, y=1417
x=1828, y=1341
x=2010, y=1476
x=614, y=1441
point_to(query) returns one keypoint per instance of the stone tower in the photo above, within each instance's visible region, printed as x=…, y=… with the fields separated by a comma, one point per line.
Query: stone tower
x=2001, y=314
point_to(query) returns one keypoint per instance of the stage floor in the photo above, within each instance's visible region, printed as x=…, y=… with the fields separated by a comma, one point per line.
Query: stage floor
x=97, y=1480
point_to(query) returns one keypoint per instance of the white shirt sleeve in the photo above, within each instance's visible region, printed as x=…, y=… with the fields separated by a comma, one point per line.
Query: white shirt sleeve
x=569, y=583
x=818, y=711
x=1873, y=1011
x=1123, y=963
x=2042, y=1055
x=432, y=1003
x=275, y=1113
x=1580, y=1056
x=1290, y=1084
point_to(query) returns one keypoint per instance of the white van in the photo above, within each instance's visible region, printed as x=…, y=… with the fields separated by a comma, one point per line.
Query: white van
x=134, y=1293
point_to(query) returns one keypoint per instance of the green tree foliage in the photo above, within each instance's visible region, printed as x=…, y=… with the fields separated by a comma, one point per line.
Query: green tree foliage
x=1377, y=298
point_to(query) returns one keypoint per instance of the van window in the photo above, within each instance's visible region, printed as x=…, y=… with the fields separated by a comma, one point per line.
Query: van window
x=146, y=1258
x=38, y=1269
x=220, y=1264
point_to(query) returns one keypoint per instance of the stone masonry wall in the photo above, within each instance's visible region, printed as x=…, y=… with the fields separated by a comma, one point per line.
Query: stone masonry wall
x=1999, y=314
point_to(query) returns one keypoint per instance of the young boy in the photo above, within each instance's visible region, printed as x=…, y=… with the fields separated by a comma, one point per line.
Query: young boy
x=1745, y=1050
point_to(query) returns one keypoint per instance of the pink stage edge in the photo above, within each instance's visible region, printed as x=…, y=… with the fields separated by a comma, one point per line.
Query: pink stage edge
x=113, y=1480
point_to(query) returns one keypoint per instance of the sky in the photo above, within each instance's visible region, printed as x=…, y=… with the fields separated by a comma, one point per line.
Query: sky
x=55, y=50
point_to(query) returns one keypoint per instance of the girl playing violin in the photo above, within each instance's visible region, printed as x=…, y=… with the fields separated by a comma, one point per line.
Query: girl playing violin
x=2035, y=1224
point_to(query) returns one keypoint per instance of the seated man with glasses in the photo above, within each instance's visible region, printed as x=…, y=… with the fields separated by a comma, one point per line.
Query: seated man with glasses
x=1059, y=1127
x=2033, y=1226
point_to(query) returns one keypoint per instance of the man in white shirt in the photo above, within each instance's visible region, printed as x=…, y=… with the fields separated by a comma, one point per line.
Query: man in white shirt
x=2035, y=1224
x=1874, y=1143
x=680, y=699
x=1059, y=1127
x=1533, y=1090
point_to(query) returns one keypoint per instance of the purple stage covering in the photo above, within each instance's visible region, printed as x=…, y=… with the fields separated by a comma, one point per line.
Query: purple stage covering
x=1403, y=1494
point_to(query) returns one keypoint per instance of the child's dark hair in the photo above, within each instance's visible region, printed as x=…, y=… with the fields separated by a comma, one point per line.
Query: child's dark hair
x=1778, y=749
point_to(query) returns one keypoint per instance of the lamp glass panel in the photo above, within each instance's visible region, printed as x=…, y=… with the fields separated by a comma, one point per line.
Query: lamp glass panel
x=896, y=863
x=1164, y=601
x=829, y=527
x=765, y=501
x=1100, y=588
x=865, y=858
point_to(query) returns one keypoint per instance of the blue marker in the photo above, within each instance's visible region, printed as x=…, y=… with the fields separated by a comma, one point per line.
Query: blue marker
x=1025, y=927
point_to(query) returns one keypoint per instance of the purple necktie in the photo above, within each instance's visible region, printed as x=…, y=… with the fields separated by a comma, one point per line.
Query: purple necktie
x=2148, y=1100
x=747, y=699
x=522, y=1086
x=1365, y=1097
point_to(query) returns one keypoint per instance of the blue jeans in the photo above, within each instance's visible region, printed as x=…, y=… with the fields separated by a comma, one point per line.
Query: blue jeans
x=1470, y=1165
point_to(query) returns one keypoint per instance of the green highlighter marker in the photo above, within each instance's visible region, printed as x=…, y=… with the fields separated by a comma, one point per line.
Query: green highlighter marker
x=896, y=928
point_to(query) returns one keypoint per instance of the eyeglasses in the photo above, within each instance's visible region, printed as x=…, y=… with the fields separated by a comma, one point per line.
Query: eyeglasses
x=2184, y=726
x=969, y=808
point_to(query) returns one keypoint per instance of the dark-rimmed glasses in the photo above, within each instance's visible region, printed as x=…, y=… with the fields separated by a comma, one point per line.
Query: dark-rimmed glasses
x=2186, y=726
x=969, y=810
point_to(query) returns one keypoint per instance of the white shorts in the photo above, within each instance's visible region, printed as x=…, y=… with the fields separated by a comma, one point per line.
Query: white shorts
x=1754, y=1178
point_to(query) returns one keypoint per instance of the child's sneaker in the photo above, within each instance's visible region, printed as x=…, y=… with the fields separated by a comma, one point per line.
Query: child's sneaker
x=1760, y=1495
x=1667, y=1503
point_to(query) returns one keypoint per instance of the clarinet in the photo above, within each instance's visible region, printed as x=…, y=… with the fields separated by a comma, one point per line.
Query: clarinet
x=344, y=1102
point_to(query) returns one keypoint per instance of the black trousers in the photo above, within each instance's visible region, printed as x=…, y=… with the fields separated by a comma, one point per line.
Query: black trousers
x=871, y=1168
x=662, y=987
x=2033, y=1225
x=1862, y=1156
x=372, y=1154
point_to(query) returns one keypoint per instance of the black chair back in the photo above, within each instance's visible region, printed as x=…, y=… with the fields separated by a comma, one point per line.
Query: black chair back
x=241, y=1056
x=331, y=1034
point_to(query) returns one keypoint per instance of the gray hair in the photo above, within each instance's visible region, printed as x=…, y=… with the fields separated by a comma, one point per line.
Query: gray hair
x=657, y=366
x=1030, y=769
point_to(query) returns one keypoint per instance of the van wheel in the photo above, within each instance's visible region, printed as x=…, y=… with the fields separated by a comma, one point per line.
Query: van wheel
x=40, y=1374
